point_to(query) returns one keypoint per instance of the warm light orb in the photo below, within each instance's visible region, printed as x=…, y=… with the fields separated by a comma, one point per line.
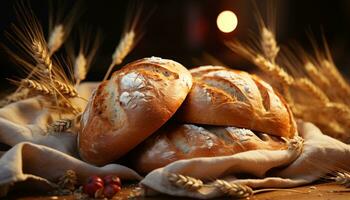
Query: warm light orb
x=227, y=21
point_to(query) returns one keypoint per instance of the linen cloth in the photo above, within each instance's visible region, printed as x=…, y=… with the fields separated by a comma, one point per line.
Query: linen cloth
x=40, y=157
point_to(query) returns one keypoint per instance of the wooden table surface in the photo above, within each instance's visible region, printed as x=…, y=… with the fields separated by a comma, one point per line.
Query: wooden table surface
x=325, y=191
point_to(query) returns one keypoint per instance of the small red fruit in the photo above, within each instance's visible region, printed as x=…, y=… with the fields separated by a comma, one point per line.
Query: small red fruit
x=110, y=190
x=94, y=183
x=111, y=179
x=93, y=179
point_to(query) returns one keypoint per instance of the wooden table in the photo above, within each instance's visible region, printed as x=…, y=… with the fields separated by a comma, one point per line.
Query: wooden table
x=325, y=191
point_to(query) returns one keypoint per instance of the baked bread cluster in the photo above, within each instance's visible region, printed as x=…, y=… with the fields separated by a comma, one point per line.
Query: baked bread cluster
x=219, y=112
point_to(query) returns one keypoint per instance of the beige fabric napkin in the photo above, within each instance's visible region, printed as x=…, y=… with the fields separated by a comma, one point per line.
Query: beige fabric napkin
x=37, y=156
x=277, y=169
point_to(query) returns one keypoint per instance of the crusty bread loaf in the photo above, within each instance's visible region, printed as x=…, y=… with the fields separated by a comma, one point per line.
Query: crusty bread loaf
x=226, y=97
x=183, y=141
x=133, y=104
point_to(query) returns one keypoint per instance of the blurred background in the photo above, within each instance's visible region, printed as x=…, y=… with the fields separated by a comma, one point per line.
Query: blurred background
x=186, y=30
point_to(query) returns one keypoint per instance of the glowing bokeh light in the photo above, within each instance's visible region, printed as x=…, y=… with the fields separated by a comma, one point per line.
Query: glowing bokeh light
x=227, y=21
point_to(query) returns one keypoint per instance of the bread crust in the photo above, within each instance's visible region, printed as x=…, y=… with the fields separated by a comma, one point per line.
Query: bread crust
x=133, y=104
x=225, y=97
x=184, y=141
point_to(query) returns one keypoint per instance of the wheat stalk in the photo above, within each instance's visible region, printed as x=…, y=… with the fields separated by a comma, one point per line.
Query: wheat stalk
x=65, y=88
x=307, y=85
x=269, y=44
x=67, y=107
x=56, y=38
x=14, y=97
x=123, y=49
x=317, y=77
x=185, y=182
x=37, y=87
x=273, y=69
x=80, y=68
x=336, y=77
x=233, y=189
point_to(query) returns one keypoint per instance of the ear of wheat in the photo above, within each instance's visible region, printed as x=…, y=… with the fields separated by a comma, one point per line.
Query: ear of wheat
x=80, y=68
x=89, y=44
x=129, y=38
x=37, y=87
x=269, y=44
x=42, y=56
x=61, y=24
x=185, y=182
x=56, y=38
x=123, y=49
x=233, y=190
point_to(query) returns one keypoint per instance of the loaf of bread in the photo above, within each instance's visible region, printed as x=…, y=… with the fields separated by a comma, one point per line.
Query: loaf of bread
x=226, y=97
x=133, y=104
x=183, y=141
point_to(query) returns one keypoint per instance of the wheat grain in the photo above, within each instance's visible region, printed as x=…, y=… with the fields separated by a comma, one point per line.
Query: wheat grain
x=185, y=182
x=37, y=87
x=269, y=44
x=56, y=38
x=80, y=68
x=123, y=49
x=65, y=88
x=233, y=189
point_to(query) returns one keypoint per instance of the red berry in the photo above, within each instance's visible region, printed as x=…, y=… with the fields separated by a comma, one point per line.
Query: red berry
x=93, y=179
x=111, y=179
x=94, y=183
x=110, y=190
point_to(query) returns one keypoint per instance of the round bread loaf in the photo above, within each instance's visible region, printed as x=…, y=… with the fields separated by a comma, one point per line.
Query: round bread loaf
x=226, y=97
x=183, y=141
x=133, y=104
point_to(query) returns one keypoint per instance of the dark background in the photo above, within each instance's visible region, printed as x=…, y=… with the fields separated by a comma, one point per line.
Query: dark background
x=184, y=29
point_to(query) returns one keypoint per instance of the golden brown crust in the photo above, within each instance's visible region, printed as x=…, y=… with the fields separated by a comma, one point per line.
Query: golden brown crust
x=184, y=141
x=134, y=103
x=226, y=97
